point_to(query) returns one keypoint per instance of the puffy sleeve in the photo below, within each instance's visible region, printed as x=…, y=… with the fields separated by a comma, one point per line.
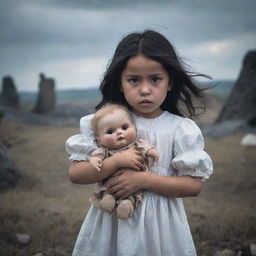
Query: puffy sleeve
x=189, y=155
x=81, y=146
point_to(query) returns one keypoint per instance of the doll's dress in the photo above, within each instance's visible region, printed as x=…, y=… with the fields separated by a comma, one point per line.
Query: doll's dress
x=104, y=152
x=159, y=227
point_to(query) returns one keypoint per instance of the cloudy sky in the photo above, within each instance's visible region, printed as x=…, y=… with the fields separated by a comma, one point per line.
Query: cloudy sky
x=72, y=41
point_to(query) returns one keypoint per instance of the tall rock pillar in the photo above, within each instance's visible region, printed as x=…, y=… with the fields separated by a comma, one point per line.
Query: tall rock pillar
x=241, y=103
x=9, y=96
x=46, y=99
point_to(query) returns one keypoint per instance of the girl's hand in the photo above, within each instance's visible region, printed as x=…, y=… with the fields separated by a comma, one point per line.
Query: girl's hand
x=129, y=158
x=126, y=182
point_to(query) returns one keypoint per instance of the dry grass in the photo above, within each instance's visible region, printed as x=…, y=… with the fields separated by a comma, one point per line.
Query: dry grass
x=223, y=216
x=50, y=209
x=45, y=204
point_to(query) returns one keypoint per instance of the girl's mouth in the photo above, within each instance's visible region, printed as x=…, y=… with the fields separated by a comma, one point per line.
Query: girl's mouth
x=145, y=102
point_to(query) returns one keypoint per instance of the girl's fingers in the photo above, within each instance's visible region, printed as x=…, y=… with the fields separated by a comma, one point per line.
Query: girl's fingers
x=117, y=174
x=114, y=189
x=114, y=182
x=140, y=158
x=136, y=167
x=138, y=152
x=121, y=195
x=139, y=166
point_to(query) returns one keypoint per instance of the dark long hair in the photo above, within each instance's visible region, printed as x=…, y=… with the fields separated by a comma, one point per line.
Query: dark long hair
x=180, y=100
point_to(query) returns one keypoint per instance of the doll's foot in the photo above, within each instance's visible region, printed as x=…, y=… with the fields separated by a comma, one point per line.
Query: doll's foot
x=95, y=201
x=125, y=209
x=107, y=203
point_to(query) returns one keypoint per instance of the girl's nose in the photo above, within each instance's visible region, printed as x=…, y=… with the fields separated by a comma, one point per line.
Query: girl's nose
x=145, y=89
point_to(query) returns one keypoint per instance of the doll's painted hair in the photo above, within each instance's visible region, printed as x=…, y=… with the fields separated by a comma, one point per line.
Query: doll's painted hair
x=105, y=110
x=155, y=46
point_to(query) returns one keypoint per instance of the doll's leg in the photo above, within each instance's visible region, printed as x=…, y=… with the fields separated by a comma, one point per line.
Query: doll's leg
x=125, y=208
x=138, y=198
x=95, y=201
x=107, y=203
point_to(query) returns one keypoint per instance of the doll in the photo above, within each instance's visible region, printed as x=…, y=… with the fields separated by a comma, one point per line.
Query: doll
x=115, y=131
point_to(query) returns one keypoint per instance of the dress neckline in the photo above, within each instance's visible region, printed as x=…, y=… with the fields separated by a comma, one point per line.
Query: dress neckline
x=149, y=119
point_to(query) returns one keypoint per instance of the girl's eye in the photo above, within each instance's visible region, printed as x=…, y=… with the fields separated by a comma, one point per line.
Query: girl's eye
x=133, y=80
x=125, y=127
x=109, y=131
x=156, y=80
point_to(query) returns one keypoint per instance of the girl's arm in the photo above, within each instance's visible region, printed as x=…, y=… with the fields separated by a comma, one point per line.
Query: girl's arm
x=177, y=186
x=128, y=182
x=82, y=172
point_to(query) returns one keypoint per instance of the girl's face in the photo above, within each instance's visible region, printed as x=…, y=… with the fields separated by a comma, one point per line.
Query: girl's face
x=145, y=84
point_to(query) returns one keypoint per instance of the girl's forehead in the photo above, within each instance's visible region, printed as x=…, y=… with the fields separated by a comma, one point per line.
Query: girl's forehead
x=141, y=63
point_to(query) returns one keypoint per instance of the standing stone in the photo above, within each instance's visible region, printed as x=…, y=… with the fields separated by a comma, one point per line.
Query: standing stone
x=8, y=174
x=241, y=103
x=9, y=96
x=46, y=99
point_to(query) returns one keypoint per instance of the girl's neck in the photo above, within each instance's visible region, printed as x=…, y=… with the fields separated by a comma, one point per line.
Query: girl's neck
x=148, y=115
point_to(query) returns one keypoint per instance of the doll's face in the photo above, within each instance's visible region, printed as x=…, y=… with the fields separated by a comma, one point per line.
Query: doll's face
x=116, y=130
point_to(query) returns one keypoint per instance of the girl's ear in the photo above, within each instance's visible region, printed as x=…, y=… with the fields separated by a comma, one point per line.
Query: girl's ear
x=169, y=87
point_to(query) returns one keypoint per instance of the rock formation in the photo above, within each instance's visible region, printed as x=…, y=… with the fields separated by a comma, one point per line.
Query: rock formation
x=9, y=96
x=8, y=174
x=46, y=99
x=241, y=104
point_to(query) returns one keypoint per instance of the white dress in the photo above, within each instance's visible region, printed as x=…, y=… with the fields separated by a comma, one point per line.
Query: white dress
x=159, y=226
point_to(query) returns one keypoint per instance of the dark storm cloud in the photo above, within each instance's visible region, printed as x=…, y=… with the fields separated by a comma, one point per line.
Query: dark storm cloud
x=41, y=34
x=52, y=22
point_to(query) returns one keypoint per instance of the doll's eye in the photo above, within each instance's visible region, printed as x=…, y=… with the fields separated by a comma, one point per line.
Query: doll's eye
x=125, y=127
x=109, y=131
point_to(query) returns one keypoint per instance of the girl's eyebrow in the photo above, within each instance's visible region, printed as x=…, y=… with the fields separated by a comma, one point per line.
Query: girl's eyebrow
x=153, y=74
x=131, y=75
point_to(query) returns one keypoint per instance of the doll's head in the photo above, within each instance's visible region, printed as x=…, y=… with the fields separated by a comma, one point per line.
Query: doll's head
x=113, y=126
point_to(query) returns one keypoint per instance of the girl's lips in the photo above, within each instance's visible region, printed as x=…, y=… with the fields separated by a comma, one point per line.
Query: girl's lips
x=145, y=102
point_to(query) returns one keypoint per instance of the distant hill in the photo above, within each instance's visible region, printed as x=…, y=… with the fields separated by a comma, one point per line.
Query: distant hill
x=76, y=96
x=90, y=96
x=221, y=88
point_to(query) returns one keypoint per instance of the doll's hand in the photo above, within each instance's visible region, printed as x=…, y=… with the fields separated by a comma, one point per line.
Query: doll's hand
x=126, y=182
x=153, y=154
x=96, y=162
x=129, y=158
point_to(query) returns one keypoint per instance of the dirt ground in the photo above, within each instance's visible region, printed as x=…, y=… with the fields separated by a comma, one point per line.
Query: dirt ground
x=48, y=207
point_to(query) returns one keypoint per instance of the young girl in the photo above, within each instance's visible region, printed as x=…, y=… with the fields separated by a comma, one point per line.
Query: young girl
x=145, y=75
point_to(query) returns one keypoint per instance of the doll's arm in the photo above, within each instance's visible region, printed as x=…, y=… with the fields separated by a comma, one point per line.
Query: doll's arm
x=152, y=152
x=96, y=158
x=96, y=161
x=147, y=149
